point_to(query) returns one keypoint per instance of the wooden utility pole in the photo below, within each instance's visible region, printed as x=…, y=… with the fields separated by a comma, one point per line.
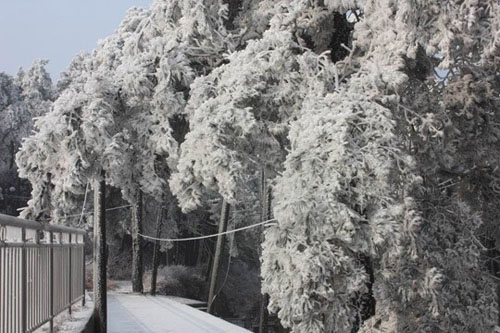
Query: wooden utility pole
x=137, y=257
x=100, y=258
x=156, y=251
x=224, y=217
x=265, y=215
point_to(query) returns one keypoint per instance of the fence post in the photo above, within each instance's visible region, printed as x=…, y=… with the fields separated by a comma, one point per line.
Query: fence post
x=60, y=297
x=51, y=281
x=70, y=268
x=24, y=283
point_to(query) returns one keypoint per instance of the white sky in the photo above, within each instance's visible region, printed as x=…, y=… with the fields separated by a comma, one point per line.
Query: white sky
x=56, y=30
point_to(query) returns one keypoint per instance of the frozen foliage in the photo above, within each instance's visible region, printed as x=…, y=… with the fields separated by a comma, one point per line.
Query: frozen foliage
x=335, y=200
x=239, y=115
x=54, y=159
x=13, y=116
x=23, y=97
x=437, y=286
x=334, y=203
x=342, y=197
x=36, y=88
x=453, y=135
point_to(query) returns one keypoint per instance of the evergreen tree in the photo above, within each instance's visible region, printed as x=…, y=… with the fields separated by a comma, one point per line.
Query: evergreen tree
x=22, y=98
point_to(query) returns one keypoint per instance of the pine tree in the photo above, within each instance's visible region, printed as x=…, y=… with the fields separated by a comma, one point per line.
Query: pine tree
x=22, y=98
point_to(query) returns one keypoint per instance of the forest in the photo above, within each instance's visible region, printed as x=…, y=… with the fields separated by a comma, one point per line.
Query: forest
x=358, y=140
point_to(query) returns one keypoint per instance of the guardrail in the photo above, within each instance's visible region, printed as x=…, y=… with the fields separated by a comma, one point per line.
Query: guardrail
x=42, y=273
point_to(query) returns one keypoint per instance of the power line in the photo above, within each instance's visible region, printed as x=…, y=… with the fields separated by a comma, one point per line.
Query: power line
x=206, y=236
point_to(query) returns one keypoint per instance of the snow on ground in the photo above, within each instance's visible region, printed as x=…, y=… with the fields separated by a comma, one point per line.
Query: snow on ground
x=125, y=287
x=130, y=312
x=74, y=323
x=143, y=313
x=187, y=301
x=120, y=286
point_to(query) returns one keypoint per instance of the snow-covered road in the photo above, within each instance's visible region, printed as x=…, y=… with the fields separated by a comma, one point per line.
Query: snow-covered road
x=141, y=313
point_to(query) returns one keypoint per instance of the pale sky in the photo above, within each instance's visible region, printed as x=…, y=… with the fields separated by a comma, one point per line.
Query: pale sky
x=56, y=30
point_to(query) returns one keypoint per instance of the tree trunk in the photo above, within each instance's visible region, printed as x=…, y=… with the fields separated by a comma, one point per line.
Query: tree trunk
x=156, y=251
x=234, y=7
x=498, y=300
x=224, y=217
x=265, y=215
x=493, y=266
x=366, y=303
x=210, y=259
x=12, y=149
x=264, y=314
x=100, y=261
x=137, y=258
x=199, y=256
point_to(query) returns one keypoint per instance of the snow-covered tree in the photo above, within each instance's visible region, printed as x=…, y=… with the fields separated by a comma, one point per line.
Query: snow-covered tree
x=449, y=125
x=22, y=98
x=240, y=113
x=365, y=197
x=13, y=115
x=37, y=89
x=137, y=87
x=54, y=159
x=118, y=104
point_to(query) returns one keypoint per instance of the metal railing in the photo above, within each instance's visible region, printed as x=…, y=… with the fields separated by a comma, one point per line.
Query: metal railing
x=42, y=273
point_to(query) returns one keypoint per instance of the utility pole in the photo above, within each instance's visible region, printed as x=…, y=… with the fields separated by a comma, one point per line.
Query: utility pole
x=156, y=251
x=224, y=217
x=137, y=257
x=100, y=258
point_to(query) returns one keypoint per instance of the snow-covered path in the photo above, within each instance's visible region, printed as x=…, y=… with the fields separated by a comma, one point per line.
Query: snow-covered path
x=142, y=313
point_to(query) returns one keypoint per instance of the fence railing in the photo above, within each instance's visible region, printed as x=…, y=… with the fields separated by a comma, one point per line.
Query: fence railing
x=42, y=273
